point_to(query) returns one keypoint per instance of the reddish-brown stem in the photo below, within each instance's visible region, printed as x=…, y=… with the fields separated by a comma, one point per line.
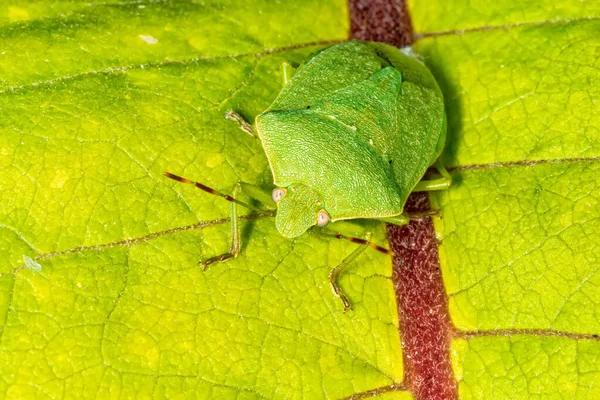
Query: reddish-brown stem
x=384, y=21
x=425, y=326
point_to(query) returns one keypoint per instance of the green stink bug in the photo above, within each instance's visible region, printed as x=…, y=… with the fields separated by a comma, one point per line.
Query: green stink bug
x=350, y=135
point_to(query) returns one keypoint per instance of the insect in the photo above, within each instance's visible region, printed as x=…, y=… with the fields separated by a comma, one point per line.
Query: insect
x=350, y=135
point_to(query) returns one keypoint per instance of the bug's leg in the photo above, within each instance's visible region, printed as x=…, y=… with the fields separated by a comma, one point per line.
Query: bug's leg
x=336, y=272
x=287, y=70
x=405, y=218
x=244, y=125
x=400, y=220
x=234, y=246
x=234, y=243
x=435, y=184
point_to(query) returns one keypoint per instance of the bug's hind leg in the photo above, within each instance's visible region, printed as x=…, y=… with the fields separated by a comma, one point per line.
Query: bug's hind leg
x=435, y=184
x=244, y=125
x=235, y=242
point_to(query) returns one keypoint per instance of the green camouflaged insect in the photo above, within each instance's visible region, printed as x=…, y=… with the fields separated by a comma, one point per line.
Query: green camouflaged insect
x=350, y=135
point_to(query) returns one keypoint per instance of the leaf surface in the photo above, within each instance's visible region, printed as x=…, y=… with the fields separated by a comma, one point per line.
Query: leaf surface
x=519, y=233
x=100, y=291
x=440, y=16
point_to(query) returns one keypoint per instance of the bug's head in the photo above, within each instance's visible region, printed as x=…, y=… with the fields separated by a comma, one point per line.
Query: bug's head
x=298, y=208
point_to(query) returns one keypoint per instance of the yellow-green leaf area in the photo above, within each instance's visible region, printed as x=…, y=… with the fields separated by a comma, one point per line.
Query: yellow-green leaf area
x=82, y=159
x=520, y=247
x=519, y=227
x=101, y=295
x=26, y=10
x=454, y=15
x=518, y=94
x=42, y=41
x=527, y=367
x=265, y=325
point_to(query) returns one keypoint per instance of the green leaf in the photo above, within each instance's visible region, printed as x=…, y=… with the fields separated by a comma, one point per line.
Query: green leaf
x=70, y=38
x=100, y=291
x=519, y=228
x=521, y=93
x=526, y=367
x=520, y=247
x=441, y=16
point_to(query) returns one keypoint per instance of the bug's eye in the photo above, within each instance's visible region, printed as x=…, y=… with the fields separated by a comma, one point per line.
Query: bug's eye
x=277, y=194
x=322, y=218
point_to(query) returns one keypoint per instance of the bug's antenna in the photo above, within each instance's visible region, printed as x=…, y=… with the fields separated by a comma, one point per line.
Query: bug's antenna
x=364, y=241
x=354, y=240
x=208, y=190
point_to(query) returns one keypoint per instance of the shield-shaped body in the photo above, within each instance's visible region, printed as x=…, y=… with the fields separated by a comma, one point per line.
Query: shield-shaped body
x=352, y=133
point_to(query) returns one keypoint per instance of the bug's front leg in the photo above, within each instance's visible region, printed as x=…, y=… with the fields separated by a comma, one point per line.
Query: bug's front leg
x=253, y=191
x=234, y=243
x=336, y=272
